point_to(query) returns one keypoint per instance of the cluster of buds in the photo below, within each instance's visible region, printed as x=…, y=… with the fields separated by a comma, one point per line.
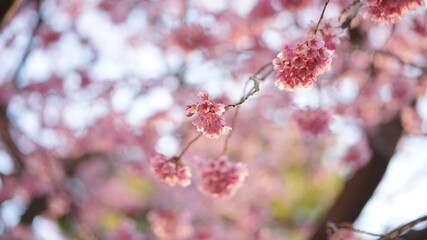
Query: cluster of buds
x=300, y=62
x=171, y=171
x=221, y=178
x=209, y=119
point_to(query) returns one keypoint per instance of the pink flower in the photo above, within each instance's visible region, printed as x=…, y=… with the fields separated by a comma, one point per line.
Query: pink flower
x=331, y=33
x=358, y=155
x=168, y=225
x=191, y=36
x=390, y=10
x=209, y=118
x=171, y=171
x=299, y=63
x=314, y=121
x=221, y=178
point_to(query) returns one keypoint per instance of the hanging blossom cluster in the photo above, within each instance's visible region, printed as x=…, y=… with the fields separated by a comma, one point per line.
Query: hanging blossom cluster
x=221, y=178
x=390, y=10
x=300, y=62
x=313, y=121
x=209, y=119
x=171, y=171
x=331, y=32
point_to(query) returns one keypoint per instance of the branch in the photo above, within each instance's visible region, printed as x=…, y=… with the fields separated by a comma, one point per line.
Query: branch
x=321, y=16
x=6, y=138
x=255, y=88
x=188, y=145
x=36, y=207
x=28, y=47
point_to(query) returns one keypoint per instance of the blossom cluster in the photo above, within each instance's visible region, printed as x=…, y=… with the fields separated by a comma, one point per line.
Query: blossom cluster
x=330, y=31
x=191, y=36
x=221, y=178
x=171, y=171
x=313, y=121
x=300, y=62
x=209, y=119
x=390, y=10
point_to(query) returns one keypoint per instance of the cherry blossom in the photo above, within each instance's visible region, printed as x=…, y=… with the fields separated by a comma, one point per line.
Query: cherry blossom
x=313, y=121
x=299, y=64
x=390, y=11
x=209, y=118
x=221, y=178
x=171, y=171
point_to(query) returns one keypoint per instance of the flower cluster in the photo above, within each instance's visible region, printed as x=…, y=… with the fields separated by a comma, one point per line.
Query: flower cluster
x=299, y=63
x=221, y=178
x=313, y=121
x=209, y=118
x=171, y=171
x=168, y=225
x=390, y=10
x=330, y=31
x=191, y=36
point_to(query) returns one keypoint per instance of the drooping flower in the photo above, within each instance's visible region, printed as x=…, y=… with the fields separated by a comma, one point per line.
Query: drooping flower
x=390, y=10
x=171, y=171
x=209, y=119
x=221, y=178
x=300, y=62
x=313, y=121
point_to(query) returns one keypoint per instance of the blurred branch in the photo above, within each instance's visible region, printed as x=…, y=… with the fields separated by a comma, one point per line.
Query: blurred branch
x=334, y=228
x=16, y=76
x=7, y=10
x=6, y=138
x=415, y=234
x=359, y=189
x=36, y=207
x=257, y=80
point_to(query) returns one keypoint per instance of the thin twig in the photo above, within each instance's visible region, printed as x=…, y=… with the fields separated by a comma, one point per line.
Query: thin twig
x=333, y=228
x=233, y=124
x=348, y=8
x=398, y=231
x=255, y=88
x=346, y=23
x=28, y=47
x=189, y=144
x=321, y=16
